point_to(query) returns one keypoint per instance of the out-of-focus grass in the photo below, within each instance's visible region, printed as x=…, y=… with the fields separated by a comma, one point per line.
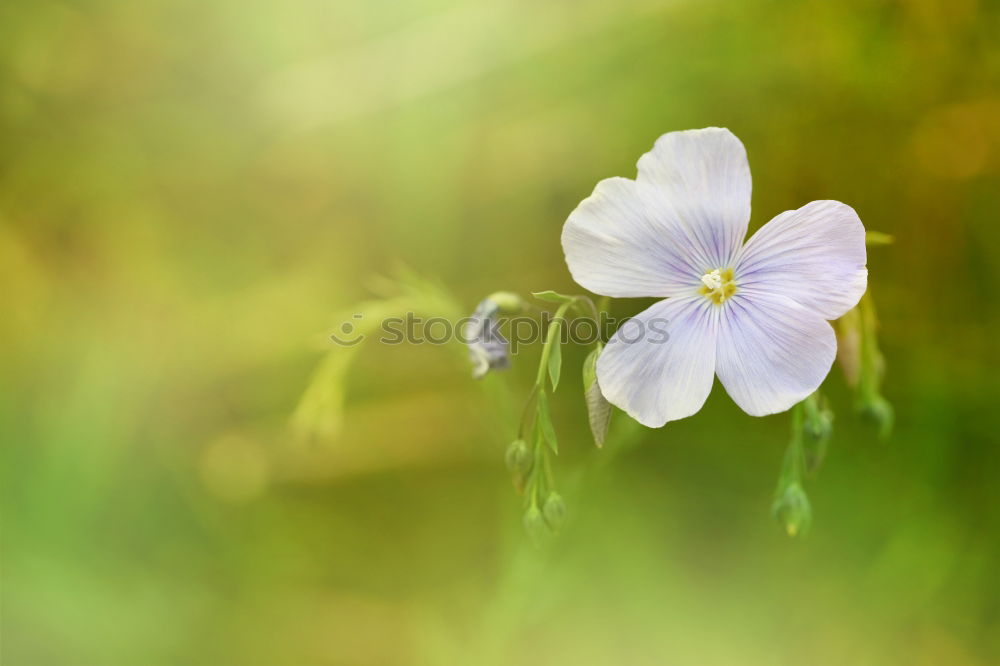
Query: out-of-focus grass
x=189, y=190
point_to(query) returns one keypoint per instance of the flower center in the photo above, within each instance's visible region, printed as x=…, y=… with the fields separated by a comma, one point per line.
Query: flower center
x=718, y=285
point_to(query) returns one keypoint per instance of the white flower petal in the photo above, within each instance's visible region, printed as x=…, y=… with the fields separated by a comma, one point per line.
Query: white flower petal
x=772, y=352
x=621, y=242
x=704, y=176
x=814, y=255
x=659, y=366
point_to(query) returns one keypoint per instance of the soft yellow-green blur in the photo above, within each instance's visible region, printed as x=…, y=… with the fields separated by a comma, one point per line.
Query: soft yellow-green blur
x=195, y=193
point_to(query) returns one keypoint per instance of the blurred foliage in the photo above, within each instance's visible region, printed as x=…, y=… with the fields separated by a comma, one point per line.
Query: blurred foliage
x=189, y=190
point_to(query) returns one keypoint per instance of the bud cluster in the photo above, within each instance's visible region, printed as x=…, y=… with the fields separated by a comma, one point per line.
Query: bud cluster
x=529, y=457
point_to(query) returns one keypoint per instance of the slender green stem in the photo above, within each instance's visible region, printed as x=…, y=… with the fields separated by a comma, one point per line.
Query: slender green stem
x=553, y=334
x=526, y=412
x=549, y=477
x=590, y=305
x=793, y=465
x=541, y=478
x=795, y=446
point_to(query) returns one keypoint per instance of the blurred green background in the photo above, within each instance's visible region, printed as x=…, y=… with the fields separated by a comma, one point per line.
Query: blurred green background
x=193, y=194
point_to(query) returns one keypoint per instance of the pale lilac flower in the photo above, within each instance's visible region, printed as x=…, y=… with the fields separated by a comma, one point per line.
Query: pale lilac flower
x=755, y=314
x=487, y=346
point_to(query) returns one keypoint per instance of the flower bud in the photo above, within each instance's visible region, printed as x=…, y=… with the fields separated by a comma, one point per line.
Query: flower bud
x=792, y=509
x=518, y=457
x=554, y=511
x=507, y=302
x=819, y=426
x=487, y=346
x=535, y=526
x=879, y=411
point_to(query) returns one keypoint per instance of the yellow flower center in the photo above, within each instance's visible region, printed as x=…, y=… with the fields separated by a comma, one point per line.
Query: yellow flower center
x=718, y=285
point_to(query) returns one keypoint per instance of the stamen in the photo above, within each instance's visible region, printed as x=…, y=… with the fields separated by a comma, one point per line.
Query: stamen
x=719, y=285
x=712, y=279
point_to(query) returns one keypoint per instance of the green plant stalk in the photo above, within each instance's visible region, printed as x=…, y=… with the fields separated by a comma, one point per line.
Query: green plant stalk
x=552, y=335
x=541, y=478
x=794, y=464
x=542, y=473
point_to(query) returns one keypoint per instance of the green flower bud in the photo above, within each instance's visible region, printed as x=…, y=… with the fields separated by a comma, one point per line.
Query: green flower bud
x=819, y=425
x=535, y=525
x=518, y=457
x=878, y=410
x=791, y=508
x=507, y=301
x=554, y=511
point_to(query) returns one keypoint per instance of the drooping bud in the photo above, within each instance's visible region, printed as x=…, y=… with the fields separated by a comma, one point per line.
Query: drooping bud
x=518, y=457
x=506, y=301
x=791, y=508
x=535, y=525
x=598, y=407
x=879, y=411
x=554, y=511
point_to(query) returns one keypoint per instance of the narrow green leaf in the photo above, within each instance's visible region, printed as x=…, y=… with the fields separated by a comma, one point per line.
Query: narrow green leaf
x=590, y=366
x=552, y=296
x=555, y=360
x=545, y=422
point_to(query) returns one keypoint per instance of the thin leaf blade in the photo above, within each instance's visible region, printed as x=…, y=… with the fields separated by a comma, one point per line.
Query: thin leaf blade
x=552, y=296
x=555, y=359
x=544, y=420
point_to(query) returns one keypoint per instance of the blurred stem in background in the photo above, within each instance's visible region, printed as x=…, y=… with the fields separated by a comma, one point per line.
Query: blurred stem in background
x=870, y=401
x=871, y=363
x=318, y=417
